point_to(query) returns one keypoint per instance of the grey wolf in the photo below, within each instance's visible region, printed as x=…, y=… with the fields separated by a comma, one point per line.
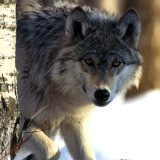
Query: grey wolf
x=72, y=59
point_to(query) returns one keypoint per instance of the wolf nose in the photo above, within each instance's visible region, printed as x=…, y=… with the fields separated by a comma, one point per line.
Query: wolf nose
x=101, y=95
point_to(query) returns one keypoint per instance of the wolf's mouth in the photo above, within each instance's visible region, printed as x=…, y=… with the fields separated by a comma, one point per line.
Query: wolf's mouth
x=101, y=104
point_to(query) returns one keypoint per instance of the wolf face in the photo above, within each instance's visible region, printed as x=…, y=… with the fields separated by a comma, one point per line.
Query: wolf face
x=90, y=52
x=80, y=49
x=103, y=59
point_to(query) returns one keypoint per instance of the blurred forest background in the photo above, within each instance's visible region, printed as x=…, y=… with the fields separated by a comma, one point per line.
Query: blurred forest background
x=149, y=46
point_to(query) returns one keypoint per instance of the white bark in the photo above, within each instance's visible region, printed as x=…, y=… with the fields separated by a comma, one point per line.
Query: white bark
x=8, y=95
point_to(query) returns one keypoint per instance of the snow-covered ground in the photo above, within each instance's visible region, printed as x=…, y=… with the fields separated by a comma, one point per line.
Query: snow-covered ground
x=125, y=129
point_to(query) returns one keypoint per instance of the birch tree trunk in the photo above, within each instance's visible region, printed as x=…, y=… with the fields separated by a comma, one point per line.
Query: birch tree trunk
x=9, y=111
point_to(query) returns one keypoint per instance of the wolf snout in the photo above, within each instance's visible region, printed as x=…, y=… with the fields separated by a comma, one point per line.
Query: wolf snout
x=101, y=96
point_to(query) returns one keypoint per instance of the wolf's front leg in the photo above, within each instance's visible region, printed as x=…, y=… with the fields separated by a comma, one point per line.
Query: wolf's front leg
x=41, y=146
x=77, y=137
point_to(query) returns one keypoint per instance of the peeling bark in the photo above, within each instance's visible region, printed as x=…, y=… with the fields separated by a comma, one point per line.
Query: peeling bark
x=9, y=110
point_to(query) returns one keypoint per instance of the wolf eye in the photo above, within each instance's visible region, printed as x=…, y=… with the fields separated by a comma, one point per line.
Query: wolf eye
x=89, y=61
x=116, y=63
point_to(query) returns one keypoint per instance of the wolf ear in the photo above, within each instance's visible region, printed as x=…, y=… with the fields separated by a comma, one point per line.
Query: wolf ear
x=77, y=24
x=129, y=27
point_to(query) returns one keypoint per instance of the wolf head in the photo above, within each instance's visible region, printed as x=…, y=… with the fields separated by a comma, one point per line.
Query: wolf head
x=80, y=52
x=104, y=59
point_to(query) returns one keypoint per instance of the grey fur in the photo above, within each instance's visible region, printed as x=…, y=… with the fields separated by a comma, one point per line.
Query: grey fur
x=52, y=47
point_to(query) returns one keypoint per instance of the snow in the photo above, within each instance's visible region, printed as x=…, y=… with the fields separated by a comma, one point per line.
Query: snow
x=125, y=129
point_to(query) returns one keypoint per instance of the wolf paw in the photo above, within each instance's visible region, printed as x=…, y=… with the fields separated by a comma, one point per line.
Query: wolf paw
x=56, y=156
